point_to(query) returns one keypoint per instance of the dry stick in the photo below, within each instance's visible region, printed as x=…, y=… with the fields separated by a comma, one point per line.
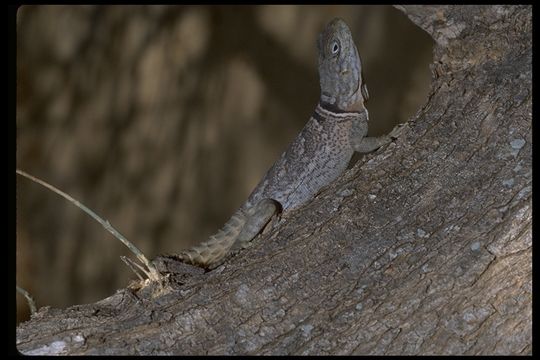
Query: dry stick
x=29, y=299
x=152, y=273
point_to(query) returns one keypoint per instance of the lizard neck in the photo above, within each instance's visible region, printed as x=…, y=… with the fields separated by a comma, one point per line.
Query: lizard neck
x=330, y=112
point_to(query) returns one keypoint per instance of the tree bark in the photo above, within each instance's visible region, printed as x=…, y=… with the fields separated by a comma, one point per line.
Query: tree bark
x=423, y=247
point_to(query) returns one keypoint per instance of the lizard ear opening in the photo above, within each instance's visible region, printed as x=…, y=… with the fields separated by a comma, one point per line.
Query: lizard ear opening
x=365, y=93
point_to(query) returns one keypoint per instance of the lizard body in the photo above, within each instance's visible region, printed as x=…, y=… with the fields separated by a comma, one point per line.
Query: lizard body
x=316, y=157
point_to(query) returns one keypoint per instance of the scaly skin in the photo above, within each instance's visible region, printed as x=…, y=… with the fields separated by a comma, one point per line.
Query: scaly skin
x=315, y=158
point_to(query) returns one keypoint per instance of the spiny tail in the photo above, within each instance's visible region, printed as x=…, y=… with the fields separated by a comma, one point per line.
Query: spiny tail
x=213, y=250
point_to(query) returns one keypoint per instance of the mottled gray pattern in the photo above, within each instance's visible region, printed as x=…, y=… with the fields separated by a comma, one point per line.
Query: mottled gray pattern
x=316, y=157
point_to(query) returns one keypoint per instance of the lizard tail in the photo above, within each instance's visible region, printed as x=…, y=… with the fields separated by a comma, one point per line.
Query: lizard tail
x=217, y=246
x=236, y=234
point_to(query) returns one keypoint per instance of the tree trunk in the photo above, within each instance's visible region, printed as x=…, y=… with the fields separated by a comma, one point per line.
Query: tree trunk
x=423, y=247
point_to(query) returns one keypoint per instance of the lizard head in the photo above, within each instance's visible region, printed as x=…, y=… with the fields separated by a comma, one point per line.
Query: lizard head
x=340, y=68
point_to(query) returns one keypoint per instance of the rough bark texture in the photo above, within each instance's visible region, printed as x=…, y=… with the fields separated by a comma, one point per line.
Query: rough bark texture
x=422, y=248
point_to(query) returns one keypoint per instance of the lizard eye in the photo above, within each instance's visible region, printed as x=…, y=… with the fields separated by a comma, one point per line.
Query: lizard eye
x=335, y=47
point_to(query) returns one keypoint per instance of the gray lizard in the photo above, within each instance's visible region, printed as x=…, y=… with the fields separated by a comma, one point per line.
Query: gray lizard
x=316, y=157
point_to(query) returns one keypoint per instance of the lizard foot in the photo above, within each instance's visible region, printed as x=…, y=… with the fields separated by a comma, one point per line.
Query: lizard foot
x=396, y=131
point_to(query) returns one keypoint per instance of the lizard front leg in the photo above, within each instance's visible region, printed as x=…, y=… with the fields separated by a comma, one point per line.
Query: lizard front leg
x=235, y=234
x=365, y=144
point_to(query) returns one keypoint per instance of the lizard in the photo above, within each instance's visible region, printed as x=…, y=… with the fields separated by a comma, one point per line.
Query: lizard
x=317, y=156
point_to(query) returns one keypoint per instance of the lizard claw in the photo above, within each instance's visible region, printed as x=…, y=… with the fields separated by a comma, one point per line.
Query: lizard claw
x=396, y=131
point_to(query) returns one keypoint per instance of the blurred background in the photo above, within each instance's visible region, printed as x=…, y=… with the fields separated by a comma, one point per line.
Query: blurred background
x=162, y=119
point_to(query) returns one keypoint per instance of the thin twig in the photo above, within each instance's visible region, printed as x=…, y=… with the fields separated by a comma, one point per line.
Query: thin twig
x=131, y=264
x=29, y=299
x=152, y=273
